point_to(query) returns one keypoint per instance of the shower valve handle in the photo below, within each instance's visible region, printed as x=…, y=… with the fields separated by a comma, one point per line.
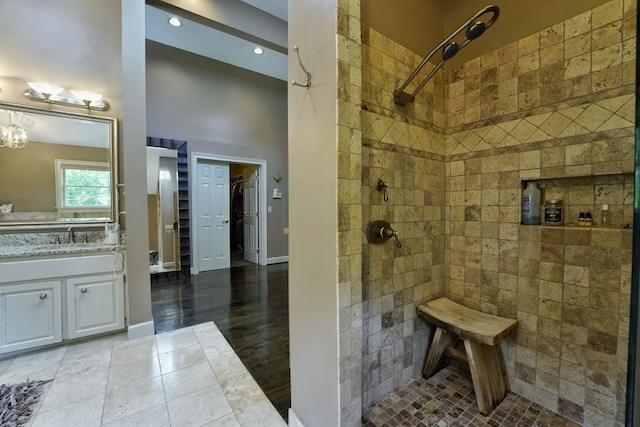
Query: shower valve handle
x=380, y=232
x=388, y=232
x=383, y=186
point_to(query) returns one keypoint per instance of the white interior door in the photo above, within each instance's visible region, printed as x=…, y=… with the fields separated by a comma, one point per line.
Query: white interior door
x=213, y=235
x=251, y=224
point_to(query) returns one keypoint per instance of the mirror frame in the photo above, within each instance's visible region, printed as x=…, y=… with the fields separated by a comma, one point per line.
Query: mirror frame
x=113, y=155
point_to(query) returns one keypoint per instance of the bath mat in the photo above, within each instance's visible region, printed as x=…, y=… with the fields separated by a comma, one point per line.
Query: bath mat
x=16, y=401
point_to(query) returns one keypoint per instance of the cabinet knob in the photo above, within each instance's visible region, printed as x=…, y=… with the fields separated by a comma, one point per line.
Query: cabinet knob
x=43, y=296
x=83, y=290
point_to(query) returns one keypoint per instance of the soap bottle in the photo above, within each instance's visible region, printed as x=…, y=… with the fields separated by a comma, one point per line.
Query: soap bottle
x=531, y=204
x=606, y=218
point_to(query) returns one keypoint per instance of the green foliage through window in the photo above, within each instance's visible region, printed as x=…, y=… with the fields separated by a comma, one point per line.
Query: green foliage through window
x=88, y=187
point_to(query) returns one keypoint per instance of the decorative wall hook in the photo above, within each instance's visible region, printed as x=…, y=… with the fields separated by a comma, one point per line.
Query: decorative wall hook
x=307, y=75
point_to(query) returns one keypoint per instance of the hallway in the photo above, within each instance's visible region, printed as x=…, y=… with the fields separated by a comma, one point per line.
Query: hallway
x=249, y=305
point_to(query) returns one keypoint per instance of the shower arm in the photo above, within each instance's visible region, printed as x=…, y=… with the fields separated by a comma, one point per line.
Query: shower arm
x=402, y=98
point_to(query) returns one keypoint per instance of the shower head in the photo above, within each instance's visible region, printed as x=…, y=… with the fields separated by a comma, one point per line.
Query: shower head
x=449, y=50
x=474, y=28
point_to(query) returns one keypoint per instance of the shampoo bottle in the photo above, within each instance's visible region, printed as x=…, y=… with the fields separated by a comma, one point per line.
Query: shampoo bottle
x=606, y=217
x=531, y=204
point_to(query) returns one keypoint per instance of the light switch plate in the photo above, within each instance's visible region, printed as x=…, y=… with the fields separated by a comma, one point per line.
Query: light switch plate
x=277, y=194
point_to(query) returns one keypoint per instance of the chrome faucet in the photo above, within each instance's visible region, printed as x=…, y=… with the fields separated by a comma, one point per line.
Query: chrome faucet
x=70, y=230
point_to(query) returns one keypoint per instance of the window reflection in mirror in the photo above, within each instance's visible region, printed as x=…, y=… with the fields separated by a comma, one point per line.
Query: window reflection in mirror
x=65, y=173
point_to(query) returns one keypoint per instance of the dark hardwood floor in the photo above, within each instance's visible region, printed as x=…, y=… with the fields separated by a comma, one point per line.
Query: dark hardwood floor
x=249, y=304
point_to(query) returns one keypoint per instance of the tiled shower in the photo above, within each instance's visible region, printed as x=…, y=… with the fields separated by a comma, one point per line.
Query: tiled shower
x=556, y=107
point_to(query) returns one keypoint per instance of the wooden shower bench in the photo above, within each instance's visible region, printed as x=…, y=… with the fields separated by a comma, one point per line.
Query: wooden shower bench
x=480, y=333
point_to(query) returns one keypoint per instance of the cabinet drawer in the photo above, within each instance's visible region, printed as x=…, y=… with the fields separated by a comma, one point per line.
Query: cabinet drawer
x=44, y=269
x=30, y=315
x=94, y=305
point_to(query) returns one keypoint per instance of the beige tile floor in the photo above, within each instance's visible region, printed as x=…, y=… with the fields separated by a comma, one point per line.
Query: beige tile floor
x=186, y=377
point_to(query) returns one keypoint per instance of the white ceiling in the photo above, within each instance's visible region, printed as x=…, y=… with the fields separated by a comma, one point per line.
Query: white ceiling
x=221, y=46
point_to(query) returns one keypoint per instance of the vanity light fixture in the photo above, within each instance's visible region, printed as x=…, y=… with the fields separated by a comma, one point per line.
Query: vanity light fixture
x=174, y=22
x=45, y=92
x=258, y=50
x=86, y=96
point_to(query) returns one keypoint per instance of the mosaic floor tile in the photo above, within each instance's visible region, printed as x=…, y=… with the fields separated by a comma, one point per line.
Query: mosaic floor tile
x=447, y=400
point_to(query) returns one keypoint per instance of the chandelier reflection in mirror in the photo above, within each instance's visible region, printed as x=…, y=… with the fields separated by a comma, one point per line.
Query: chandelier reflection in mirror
x=13, y=136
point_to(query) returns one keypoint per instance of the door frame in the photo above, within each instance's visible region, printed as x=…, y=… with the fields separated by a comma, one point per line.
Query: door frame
x=262, y=202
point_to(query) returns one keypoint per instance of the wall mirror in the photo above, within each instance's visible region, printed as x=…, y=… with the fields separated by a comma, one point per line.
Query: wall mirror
x=56, y=168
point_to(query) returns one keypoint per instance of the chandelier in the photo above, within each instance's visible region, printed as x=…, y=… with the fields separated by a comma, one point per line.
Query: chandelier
x=13, y=136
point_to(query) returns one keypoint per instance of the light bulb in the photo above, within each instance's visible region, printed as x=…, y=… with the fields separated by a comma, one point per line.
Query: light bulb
x=45, y=88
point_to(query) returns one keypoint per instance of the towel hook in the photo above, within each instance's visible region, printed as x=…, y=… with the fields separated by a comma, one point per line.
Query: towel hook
x=307, y=75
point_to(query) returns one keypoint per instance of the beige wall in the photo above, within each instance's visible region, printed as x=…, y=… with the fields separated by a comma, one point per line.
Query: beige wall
x=313, y=240
x=417, y=25
x=223, y=110
x=35, y=190
x=420, y=26
x=152, y=209
x=71, y=43
x=134, y=168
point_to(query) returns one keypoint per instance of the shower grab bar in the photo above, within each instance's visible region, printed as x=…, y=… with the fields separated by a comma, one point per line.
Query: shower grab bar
x=474, y=30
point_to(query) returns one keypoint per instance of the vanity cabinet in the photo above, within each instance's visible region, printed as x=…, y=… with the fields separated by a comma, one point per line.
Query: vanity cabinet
x=48, y=300
x=30, y=315
x=94, y=305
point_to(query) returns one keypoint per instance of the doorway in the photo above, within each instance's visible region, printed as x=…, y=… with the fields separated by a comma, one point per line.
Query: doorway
x=229, y=211
x=244, y=202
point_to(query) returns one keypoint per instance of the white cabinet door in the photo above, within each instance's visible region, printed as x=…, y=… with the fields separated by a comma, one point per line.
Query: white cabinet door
x=95, y=304
x=30, y=315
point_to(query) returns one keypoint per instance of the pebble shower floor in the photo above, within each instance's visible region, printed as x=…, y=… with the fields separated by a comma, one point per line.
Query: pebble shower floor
x=447, y=400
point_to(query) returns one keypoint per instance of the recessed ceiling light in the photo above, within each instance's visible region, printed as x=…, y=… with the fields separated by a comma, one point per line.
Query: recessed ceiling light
x=258, y=50
x=175, y=22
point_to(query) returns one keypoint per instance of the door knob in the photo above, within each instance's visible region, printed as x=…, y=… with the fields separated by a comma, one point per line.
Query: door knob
x=225, y=221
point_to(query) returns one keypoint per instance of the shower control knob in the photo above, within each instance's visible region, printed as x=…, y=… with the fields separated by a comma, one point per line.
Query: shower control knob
x=380, y=232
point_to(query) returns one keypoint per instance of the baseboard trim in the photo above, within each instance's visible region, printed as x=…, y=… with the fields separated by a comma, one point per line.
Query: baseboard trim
x=294, y=421
x=141, y=330
x=277, y=260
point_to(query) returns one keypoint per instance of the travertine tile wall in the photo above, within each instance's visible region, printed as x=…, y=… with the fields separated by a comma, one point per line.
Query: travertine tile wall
x=349, y=151
x=405, y=149
x=556, y=107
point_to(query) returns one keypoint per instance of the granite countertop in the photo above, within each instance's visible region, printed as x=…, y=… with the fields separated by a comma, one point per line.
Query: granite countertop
x=14, y=251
